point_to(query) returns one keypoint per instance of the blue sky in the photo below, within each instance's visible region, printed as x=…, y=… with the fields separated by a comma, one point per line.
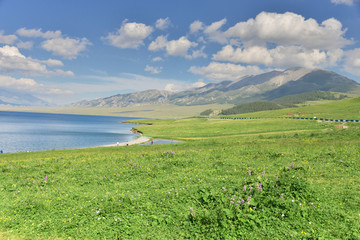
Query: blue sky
x=66, y=51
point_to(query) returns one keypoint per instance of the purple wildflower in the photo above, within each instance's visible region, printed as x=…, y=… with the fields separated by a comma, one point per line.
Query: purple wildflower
x=249, y=173
x=192, y=212
x=45, y=179
x=263, y=173
x=244, y=187
x=281, y=196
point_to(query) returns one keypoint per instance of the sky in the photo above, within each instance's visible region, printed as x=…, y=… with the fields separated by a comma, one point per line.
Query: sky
x=66, y=51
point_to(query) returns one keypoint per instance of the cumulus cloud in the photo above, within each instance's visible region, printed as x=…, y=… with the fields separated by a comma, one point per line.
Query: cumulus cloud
x=178, y=47
x=290, y=29
x=352, y=61
x=225, y=71
x=38, y=33
x=28, y=85
x=53, y=63
x=214, y=33
x=196, y=26
x=68, y=48
x=130, y=35
x=7, y=39
x=280, y=56
x=163, y=23
x=12, y=61
x=158, y=44
x=153, y=70
x=25, y=45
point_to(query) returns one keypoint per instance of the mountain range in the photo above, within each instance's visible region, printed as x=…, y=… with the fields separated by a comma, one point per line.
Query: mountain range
x=19, y=98
x=263, y=87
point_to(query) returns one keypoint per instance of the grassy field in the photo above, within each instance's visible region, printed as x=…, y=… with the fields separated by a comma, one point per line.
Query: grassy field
x=148, y=111
x=229, y=179
x=343, y=109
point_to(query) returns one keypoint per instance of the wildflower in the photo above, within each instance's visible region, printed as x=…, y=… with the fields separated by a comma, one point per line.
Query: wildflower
x=309, y=222
x=281, y=196
x=293, y=200
x=263, y=173
x=192, y=212
x=45, y=179
x=223, y=188
x=283, y=215
x=244, y=187
x=249, y=173
x=277, y=178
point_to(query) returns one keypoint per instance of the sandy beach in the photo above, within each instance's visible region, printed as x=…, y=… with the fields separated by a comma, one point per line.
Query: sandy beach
x=141, y=139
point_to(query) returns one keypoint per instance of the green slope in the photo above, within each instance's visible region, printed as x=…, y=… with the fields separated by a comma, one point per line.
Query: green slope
x=343, y=109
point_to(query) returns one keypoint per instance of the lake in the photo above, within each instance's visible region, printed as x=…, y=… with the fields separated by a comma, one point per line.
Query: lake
x=24, y=131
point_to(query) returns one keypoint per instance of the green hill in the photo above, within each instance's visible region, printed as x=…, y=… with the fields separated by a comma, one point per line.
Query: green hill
x=252, y=107
x=343, y=109
x=291, y=100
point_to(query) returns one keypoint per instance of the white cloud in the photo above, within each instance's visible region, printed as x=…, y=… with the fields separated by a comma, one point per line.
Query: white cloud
x=162, y=23
x=290, y=29
x=178, y=47
x=346, y=2
x=7, y=39
x=153, y=70
x=38, y=33
x=196, y=26
x=182, y=87
x=214, y=33
x=29, y=85
x=157, y=59
x=280, y=56
x=12, y=61
x=225, y=71
x=53, y=63
x=159, y=43
x=352, y=61
x=198, y=53
x=25, y=45
x=130, y=35
x=68, y=48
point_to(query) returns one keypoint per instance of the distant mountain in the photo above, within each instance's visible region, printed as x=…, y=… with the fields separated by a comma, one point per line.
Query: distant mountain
x=18, y=98
x=129, y=99
x=262, y=87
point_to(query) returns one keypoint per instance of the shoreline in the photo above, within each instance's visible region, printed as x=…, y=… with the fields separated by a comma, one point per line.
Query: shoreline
x=140, y=140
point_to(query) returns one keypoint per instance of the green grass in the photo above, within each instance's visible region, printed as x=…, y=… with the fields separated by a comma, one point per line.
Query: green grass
x=343, y=109
x=309, y=174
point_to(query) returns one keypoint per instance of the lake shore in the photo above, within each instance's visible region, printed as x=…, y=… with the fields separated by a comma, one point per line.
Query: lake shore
x=140, y=140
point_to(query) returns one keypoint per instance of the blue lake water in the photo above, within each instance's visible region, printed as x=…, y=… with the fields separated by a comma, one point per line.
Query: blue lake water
x=23, y=131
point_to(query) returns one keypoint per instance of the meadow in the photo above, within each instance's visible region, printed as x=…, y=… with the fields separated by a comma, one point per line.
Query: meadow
x=344, y=109
x=229, y=179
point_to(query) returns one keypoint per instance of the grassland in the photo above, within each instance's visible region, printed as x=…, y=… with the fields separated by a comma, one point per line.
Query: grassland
x=344, y=109
x=229, y=179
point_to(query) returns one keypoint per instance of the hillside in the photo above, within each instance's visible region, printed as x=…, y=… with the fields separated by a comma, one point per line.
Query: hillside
x=251, y=107
x=262, y=87
x=342, y=109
